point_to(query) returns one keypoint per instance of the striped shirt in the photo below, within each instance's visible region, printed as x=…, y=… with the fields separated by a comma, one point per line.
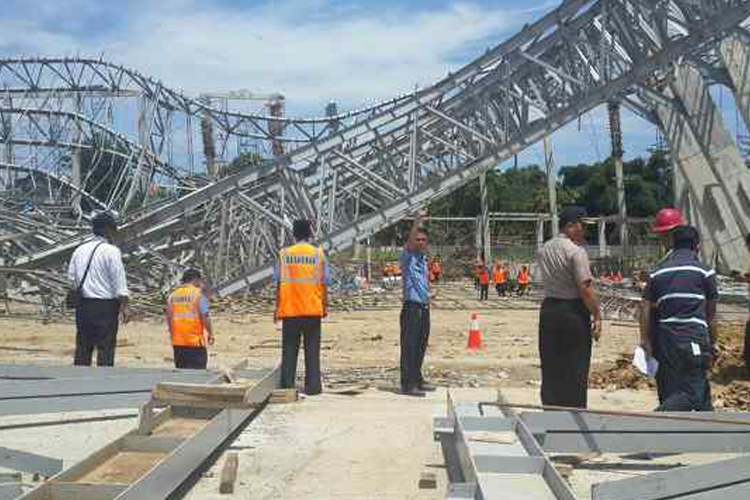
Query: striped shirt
x=679, y=288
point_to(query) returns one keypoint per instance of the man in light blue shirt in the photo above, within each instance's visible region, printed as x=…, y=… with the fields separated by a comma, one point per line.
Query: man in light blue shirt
x=415, y=313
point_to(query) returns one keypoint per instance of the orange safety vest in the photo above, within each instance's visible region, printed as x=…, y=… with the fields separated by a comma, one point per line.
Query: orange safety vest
x=498, y=276
x=484, y=277
x=187, y=325
x=523, y=278
x=301, y=281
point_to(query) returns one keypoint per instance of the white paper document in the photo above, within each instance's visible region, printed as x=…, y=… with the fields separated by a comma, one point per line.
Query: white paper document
x=646, y=365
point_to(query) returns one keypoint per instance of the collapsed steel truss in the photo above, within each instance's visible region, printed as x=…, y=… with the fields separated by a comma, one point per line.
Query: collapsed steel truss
x=512, y=461
x=357, y=173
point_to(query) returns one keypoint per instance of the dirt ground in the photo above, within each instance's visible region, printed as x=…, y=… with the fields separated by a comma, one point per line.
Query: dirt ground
x=357, y=345
x=363, y=345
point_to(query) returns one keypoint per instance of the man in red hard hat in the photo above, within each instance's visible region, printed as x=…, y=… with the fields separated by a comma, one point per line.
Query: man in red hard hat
x=666, y=220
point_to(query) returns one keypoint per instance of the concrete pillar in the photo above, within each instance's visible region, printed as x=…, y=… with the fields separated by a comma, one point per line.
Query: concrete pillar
x=615, y=129
x=76, y=174
x=735, y=53
x=6, y=122
x=539, y=234
x=708, y=163
x=549, y=162
x=484, y=220
x=603, y=249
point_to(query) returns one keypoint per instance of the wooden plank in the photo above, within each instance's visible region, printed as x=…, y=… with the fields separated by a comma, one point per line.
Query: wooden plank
x=229, y=474
x=280, y=396
x=200, y=401
x=212, y=390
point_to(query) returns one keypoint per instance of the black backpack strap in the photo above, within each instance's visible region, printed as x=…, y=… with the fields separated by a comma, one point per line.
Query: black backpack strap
x=88, y=266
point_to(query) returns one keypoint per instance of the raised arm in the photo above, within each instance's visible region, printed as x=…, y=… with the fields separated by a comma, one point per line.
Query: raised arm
x=411, y=242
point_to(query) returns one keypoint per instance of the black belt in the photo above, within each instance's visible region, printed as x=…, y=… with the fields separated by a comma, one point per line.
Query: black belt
x=87, y=299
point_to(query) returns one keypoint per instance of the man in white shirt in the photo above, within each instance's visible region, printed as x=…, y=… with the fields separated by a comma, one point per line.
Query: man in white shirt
x=104, y=290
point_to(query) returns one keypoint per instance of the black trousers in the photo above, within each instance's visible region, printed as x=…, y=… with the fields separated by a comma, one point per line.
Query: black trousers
x=565, y=352
x=522, y=289
x=190, y=358
x=415, y=336
x=96, y=328
x=294, y=330
x=484, y=292
x=501, y=289
x=685, y=385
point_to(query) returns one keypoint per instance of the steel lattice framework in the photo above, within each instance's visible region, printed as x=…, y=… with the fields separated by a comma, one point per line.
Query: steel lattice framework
x=357, y=173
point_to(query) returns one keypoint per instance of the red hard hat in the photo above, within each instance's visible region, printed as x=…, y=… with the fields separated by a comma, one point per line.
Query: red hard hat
x=667, y=219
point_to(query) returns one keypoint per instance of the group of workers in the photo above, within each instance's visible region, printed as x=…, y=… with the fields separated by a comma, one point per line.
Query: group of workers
x=677, y=318
x=500, y=276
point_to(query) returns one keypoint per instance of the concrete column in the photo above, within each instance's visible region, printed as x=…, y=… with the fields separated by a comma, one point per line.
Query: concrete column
x=549, y=162
x=708, y=163
x=735, y=53
x=484, y=220
x=615, y=129
x=6, y=122
x=603, y=249
x=539, y=233
x=76, y=174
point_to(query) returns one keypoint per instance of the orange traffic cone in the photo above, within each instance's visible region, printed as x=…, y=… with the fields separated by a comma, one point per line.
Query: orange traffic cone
x=475, y=334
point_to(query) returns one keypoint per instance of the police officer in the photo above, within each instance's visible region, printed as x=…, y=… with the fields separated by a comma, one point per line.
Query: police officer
x=682, y=293
x=302, y=279
x=570, y=317
x=189, y=322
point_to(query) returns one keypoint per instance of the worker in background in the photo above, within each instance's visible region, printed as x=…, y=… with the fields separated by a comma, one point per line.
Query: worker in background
x=524, y=278
x=745, y=278
x=484, y=283
x=302, y=279
x=570, y=316
x=665, y=222
x=499, y=278
x=415, y=312
x=476, y=271
x=682, y=293
x=96, y=268
x=436, y=269
x=189, y=323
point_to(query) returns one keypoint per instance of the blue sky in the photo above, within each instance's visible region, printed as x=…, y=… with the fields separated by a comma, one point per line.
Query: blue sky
x=312, y=51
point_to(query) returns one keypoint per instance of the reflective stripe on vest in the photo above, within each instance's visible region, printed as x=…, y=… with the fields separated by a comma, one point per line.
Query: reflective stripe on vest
x=187, y=325
x=301, y=281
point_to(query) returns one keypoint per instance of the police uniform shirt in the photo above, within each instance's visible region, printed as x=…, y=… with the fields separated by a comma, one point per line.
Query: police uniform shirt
x=106, y=278
x=680, y=288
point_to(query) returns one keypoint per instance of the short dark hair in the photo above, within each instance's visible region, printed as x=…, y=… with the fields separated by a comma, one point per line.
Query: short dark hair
x=685, y=237
x=103, y=221
x=191, y=274
x=302, y=229
x=421, y=230
x=571, y=215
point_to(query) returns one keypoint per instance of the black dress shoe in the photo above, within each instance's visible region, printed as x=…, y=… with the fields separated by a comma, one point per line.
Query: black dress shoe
x=412, y=391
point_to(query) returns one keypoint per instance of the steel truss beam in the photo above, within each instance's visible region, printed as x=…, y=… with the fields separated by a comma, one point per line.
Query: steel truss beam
x=426, y=145
x=183, y=456
x=512, y=464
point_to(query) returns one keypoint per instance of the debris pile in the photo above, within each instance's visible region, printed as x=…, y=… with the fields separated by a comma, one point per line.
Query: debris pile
x=620, y=376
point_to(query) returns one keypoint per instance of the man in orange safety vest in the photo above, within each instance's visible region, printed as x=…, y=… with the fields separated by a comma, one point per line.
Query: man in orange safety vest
x=302, y=277
x=189, y=322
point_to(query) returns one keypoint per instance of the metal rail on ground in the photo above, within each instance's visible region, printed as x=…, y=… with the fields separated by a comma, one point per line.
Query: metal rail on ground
x=163, y=454
x=496, y=453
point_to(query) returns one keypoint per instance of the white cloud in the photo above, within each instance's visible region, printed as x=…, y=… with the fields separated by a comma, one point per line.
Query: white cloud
x=312, y=51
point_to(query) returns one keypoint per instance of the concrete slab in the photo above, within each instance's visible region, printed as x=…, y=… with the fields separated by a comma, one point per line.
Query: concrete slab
x=366, y=447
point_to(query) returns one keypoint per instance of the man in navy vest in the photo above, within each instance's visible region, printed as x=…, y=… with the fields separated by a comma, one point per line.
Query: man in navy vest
x=682, y=293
